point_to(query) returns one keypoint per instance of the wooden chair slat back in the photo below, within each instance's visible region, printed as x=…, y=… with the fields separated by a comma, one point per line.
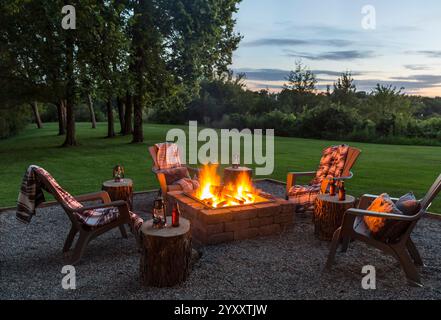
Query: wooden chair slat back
x=352, y=156
x=49, y=188
x=431, y=194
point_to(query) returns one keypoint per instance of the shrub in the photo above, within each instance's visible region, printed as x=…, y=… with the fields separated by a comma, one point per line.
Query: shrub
x=431, y=128
x=328, y=121
x=13, y=119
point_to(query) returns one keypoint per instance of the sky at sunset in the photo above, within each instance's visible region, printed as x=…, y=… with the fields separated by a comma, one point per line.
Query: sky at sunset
x=404, y=49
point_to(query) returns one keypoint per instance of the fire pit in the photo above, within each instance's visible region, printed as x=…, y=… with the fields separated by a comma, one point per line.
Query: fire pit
x=221, y=213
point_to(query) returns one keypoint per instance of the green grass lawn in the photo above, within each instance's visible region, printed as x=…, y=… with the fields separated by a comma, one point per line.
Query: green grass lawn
x=380, y=168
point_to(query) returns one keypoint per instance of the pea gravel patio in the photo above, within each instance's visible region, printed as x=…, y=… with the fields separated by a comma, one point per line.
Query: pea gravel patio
x=286, y=266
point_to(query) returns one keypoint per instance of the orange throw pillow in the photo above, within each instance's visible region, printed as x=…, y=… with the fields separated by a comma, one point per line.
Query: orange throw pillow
x=379, y=226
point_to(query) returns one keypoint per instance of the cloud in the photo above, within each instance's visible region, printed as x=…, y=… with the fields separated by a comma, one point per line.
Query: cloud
x=409, y=83
x=426, y=79
x=284, y=42
x=416, y=67
x=264, y=74
x=280, y=74
x=274, y=78
x=427, y=53
x=333, y=55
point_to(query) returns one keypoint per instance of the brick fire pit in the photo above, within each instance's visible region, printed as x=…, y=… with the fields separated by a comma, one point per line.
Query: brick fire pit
x=212, y=226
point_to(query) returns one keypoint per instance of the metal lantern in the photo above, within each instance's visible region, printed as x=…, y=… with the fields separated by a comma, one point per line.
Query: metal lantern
x=118, y=173
x=236, y=161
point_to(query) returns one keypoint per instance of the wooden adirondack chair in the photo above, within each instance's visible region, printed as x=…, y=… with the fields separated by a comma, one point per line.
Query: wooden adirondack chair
x=403, y=248
x=86, y=232
x=153, y=150
x=351, y=157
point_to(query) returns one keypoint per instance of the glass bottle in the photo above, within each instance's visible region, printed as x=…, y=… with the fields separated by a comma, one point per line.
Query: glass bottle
x=175, y=216
x=342, y=192
x=332, y=188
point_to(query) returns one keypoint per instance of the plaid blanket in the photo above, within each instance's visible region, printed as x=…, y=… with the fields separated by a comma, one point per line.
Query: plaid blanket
x=168, y=155
x=304, y=196
x=188, y=185
x=174, y=174
x=331, y=165
x=30, y=197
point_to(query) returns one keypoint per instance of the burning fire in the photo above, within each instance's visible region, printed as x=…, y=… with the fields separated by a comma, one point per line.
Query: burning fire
x=216, y=195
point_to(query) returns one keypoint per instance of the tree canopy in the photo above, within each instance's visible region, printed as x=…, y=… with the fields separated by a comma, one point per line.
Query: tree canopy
x=140, y=51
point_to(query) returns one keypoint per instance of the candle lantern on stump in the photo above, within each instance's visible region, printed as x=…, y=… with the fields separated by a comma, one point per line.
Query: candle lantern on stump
x=118, y=173
x=159, y=213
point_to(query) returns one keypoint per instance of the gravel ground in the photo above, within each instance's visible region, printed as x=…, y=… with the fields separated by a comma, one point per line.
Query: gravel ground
x=287, y=266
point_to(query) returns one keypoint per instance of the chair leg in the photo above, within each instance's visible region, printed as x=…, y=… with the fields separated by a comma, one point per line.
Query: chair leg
x=412, y=275
x=81, y=244
x=333, y=249
x=123, y=231
x=70, y=237
x=345, y=244
x=413, y=251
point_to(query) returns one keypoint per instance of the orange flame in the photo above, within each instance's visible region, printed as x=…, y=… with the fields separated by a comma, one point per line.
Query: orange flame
x=214, y=194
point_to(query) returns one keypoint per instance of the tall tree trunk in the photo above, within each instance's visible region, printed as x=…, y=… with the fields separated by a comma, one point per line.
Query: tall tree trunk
x=70, y=91
x=70, y=124
x=91, y=110
x=110, y=122
x=128, y=115
x=138, y=135
x=121, y=108
x=38, y=121
x=61, y=113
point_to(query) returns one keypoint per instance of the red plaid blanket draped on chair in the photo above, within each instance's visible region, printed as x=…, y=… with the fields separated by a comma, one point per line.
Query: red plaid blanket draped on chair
x=331, y=165
x=169, y=162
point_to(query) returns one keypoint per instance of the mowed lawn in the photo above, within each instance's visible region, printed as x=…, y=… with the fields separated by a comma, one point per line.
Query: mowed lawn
x=380, y=168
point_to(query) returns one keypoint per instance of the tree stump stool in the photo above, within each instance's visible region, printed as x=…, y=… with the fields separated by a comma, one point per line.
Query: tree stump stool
x=231, y=174
x=121, y=190
x=328, y=214
x=166, y=254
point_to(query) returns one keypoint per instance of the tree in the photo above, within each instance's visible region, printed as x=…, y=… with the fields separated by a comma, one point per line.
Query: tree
x=344, y=89
x=128, y=110
x=105, y=67
x=389, y=108
x=175, y=44
x=38, y=122
x=301, y=79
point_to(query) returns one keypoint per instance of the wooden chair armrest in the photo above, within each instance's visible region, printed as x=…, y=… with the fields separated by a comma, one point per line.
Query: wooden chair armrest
x=341, y=178
x=118, y=204
x=292, y=177
x=100, y=195
x=300, y=174
x=389, y=216
x=162, y=182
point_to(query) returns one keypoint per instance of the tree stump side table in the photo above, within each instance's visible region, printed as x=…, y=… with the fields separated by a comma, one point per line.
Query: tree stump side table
x=328, y=214
x=166, y=254
x=121, y=190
